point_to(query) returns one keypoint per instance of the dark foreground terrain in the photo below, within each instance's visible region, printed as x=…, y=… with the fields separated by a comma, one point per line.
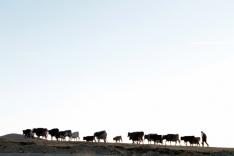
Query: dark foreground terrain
x=35, y=147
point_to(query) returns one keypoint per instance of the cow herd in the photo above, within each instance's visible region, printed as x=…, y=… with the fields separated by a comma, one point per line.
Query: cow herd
x=54, y=133
x=136, y=137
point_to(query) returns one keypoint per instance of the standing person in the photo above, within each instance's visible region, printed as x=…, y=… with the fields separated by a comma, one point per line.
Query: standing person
x=204, y=138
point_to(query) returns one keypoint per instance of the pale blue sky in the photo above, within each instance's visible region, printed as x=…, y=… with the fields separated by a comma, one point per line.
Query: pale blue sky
x=114, y=62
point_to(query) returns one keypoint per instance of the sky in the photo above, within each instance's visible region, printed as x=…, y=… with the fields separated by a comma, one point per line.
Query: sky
x=158, y=66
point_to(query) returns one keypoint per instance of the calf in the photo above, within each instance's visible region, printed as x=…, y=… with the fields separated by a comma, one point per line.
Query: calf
x=89, y=138
x=117, y=138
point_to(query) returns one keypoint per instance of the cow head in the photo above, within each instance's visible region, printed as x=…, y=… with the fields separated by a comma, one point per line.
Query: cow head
x=182, y=138
x=34, y=130
x=129, y=134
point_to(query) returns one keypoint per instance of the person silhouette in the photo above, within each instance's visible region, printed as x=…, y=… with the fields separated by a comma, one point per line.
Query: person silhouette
x=204, y=138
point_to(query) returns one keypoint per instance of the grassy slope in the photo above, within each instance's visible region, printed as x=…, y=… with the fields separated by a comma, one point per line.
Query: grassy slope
x=43, y=146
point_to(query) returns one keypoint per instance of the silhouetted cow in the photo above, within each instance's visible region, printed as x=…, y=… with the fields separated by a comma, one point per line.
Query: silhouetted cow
x=40, y=132
x=75, y=135
x=100, y=135
x=64, y=134
x=54, y=133
x=171, y=138
x=117, y=138
x=191, y=139
x=27, y=133
x=147, y=137
x=89, y=138
x=136, y=136
x=195, y=141
x=187, y=139
x=153, y=137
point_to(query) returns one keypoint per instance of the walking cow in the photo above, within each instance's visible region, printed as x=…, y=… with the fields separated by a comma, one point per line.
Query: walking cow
x=136, y=136
x=54, y=133
x=100, y=135
x=171, y=138
x=64, y=134
x=27, y=133
x=75, y=135
x=191, y=139
x=40, y=132
x=153, y=137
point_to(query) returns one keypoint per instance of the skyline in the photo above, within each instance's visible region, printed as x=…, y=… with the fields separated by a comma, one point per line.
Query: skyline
x=128, y=65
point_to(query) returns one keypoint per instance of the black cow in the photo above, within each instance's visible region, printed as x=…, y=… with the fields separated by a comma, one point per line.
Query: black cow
x=27, y=133
x=187, y=139
x=89, y=138
x=195, y=141
x=147, y=137
x=191, y=139
x=54, y=133
x=100, y=135
x=43, y=132
x=136, y=136
x=117, y=138
x=171, y=138
x=64, y=134
x=153, y=137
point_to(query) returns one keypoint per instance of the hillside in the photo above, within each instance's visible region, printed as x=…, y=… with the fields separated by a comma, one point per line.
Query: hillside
x=20, y=146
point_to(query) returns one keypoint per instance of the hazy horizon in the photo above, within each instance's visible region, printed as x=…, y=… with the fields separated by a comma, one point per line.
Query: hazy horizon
x=127, y=65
